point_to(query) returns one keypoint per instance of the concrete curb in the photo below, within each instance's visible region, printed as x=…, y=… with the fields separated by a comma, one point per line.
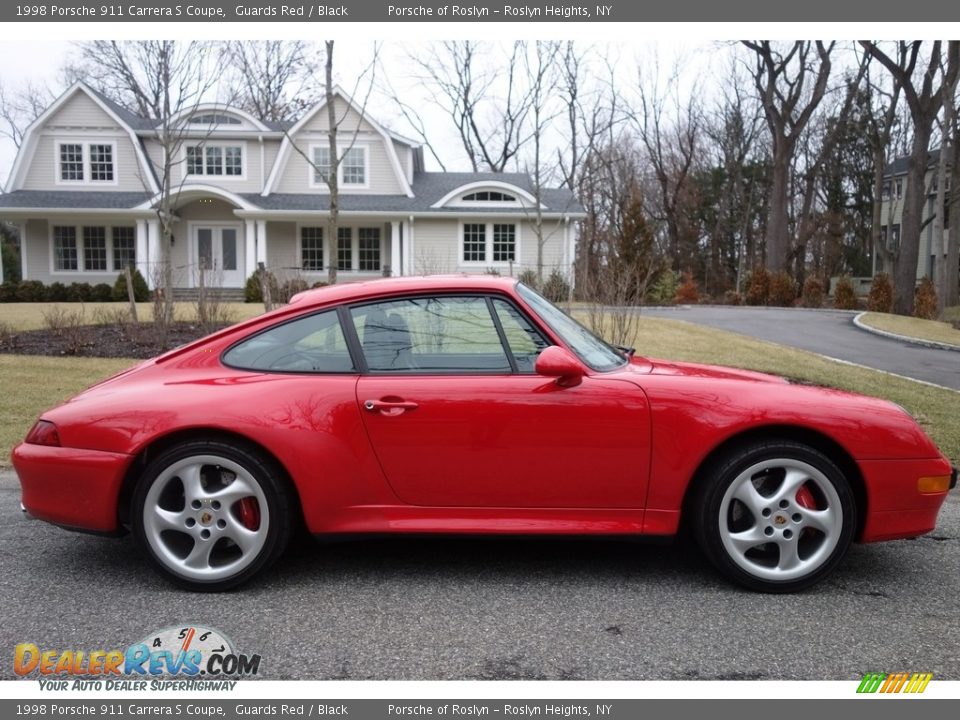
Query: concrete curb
x=903, y=338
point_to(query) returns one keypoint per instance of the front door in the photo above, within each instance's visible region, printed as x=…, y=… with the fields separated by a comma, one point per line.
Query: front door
x=217, y=249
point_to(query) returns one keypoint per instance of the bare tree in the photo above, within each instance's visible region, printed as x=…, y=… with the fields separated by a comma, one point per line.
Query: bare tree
x=487, y=107
x=947, y=249
x=20, y=107
x=275, y=77
x=950, y=294
x=781, y=79
x=924, y=99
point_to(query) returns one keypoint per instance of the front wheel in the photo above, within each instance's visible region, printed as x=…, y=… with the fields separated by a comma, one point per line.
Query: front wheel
x=211, y=515
x=775, y=517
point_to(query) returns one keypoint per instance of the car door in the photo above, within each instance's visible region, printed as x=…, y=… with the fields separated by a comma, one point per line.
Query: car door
x=458, y=417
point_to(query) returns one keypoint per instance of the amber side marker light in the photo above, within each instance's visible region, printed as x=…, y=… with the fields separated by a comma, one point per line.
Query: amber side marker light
x=44, y=433
x=937, y=484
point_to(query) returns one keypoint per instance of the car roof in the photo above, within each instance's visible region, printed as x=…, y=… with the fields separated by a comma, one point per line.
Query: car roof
x=366, y=289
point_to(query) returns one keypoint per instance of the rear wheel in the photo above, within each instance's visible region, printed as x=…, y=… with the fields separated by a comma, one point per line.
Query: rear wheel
x=211, y=515
x=775, y=517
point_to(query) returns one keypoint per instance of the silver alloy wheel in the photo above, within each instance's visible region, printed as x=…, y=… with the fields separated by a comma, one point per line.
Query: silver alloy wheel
x=771, y=534
x=192, y=519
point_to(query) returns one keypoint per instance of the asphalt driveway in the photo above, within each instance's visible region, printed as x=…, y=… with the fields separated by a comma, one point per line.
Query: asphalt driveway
x=828, y=332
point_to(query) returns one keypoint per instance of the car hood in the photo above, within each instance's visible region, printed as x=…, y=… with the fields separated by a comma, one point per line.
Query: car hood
x=687, y=369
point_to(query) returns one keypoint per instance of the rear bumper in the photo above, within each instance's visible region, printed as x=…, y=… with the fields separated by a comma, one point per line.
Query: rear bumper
x=895, y=508
x=76, y=489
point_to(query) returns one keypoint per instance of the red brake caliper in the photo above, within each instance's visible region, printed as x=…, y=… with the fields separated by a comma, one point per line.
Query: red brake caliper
x=805, y=499
x=250, y=513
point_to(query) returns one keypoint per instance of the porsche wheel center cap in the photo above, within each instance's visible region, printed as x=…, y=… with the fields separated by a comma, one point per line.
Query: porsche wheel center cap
x=779, y=519
x=206, y=518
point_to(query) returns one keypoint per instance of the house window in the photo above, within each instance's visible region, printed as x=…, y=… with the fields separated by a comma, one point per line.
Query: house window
x=65, y=248
x=898, y=187
x=354, y=167
x=71, y=161
x=474, y=242
x=369, y=248
x=101, y=162
x=321, y=164
x=352, y=170
x=124, y=248
x=215, y=160
x=504, y=243
x=90, y=162
x=496, y=242
x=895, y=237
x=344, y=248
x=94, y=248
x=885, y=192
x=489, y=196
x=214, y=119
x=311, y=248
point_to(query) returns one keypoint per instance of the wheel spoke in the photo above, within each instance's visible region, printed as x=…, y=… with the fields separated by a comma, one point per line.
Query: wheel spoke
x=199, y=557
x=167, y=520
x=789, y=556
x=244, y=538
x=192, y=482
x=792, y=481
x=822, y=520
x=236, y=490
x=748, y=539
x=748, y=495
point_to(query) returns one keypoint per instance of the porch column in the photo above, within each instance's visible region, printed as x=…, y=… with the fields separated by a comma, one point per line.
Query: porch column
x=143, y=262
x=408, y=247
x=250, y=247
x=154, y=257
x=262, y=242
x=22, y=234
x=572, y=233
x=395, y=268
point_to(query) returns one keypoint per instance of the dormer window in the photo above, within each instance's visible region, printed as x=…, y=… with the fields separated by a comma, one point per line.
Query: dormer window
x=489, y=196
x=215, y=159
x=214, y=119
x=82, y=162
x=352, y=172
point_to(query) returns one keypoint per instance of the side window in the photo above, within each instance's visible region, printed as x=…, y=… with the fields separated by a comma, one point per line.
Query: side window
x=524, y=339
x=437, y=334
x=313, y=344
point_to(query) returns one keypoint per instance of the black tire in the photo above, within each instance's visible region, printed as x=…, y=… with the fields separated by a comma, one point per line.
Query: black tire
x=228, y=525
x=723, y=525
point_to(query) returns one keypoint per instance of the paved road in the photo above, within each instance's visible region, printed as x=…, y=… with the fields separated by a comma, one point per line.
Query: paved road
x=498, y=609
x=830, y=333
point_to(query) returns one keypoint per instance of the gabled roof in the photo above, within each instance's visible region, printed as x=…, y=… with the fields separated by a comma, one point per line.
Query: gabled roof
x=285, y=148
x=900, y=165
x=71, y=200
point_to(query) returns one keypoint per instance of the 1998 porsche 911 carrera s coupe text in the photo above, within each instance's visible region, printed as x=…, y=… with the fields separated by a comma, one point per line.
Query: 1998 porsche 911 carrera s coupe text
x=470, y=405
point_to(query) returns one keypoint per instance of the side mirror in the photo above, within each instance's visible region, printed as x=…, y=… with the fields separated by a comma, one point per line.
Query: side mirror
x=556, y=362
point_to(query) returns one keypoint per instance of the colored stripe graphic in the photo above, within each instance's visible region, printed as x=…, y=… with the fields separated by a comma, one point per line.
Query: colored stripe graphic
x=888, y=683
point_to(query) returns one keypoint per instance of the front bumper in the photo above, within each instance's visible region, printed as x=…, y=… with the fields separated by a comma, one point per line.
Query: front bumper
x=953, y=478
x=70, y=487
x=895, y=509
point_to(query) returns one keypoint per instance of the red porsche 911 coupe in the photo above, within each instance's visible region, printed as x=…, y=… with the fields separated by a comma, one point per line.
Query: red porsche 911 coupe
x=470, y=405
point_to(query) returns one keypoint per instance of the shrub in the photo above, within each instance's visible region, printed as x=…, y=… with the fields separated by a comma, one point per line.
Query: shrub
x=688, y=293
x=11, y=262
x=492, y=271
x=290, y=288
x=880, y=298
x=783, y=289
x=664, y=289
x=101, y=292
x=80, y=292
x=758, y=289
x=844, y=298
x=556, y=288
x=732, y=297
x=320, y=284
x=812, y=292
x=253, y=292
x=30, y=291
x=925, y=300
x=529, y=278
x=56, y=292
x=8, y=292
x=141, y=293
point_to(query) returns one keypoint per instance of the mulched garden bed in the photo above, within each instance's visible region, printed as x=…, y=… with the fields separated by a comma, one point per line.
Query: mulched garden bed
x=108, y=341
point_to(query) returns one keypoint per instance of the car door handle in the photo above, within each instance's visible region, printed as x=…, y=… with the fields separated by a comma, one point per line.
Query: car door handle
x=390, y=408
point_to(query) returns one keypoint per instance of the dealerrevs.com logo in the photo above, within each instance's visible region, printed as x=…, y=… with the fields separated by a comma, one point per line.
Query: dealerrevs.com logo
x=201, y=657
x=899, y=682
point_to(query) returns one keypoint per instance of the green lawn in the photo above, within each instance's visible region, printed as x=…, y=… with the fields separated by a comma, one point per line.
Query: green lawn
x=942, y=332
x=29, y=316
x=28, y=385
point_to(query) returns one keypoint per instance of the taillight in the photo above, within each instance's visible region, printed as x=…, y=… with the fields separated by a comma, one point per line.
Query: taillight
x=44, y=433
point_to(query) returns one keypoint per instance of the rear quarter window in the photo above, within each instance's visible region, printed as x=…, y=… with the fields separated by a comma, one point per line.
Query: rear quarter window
x=312, y=344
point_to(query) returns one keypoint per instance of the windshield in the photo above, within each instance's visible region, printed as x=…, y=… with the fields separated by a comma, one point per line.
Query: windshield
x=588, y=347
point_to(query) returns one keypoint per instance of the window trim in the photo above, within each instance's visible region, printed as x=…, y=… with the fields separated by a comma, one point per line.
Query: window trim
x=222, y=144
x=85, y=143
x=326, y=260
x=82, y=270
x=488, y=243
x=322, y=186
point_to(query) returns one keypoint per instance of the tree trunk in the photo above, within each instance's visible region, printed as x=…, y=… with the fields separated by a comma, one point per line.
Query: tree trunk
x=951, y=295
x=778, y=229
x=332, y=177
x=905, y=274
